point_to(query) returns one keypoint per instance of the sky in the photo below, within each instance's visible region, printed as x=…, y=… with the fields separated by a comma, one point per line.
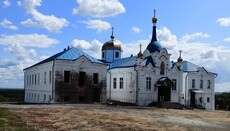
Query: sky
x=32, y=30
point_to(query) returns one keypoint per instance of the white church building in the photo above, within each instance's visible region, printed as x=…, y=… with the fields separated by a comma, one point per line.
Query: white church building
x=73, y=76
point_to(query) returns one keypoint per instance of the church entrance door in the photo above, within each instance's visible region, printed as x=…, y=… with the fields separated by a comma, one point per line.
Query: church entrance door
x=164, y=85
x=164, y=93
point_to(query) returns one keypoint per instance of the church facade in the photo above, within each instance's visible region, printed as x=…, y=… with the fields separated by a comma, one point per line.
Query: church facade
x=74, y=76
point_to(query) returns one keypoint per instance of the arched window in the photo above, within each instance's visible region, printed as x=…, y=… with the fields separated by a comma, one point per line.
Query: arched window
x=162, y=71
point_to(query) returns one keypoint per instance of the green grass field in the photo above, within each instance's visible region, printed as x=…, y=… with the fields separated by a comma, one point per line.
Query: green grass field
x=8, y=122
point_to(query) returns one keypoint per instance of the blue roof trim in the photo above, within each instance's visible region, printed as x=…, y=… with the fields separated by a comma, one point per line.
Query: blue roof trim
x=150, y=60
x=69, y=55
x=189, y=67
x=124, y=62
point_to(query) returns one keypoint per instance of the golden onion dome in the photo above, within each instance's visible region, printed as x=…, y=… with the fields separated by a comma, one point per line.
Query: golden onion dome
x=112, y=44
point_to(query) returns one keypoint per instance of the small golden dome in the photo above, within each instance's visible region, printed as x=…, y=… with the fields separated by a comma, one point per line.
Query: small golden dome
x=111, y=45
x=180, y=58
x=140, y=55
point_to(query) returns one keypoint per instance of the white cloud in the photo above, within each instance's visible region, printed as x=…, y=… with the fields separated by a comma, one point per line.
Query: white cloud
x=98, y=25
x=49, y=22
x=194, y=36
x=6, y=3
x=99, y=8
x=8, y=24
x=227, y=39
x=93, y=48
x=136, y=30
x=29, y=40
x=224, y=21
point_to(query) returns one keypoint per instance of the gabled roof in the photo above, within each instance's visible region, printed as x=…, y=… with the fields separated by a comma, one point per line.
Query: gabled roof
x=124, y=62
x=69, y=55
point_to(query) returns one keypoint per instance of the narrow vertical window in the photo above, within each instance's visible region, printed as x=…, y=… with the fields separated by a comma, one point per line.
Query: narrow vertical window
x=45, y=77
x=201, y=84
x=121, y=83
x=95, y=78
x=44, y=96
x=67, y=77
x=27, y=80
x=117, y=54
x=32, y=79
x=208, y=99
x=209, y=84
x=148, y=83
x=174, y=82
x=193, y=83
x=114, y=83
x=82, y=79
x=38, y=78
x=103, y=54
x=162, y=70
x=50, y=77
x=35, y=79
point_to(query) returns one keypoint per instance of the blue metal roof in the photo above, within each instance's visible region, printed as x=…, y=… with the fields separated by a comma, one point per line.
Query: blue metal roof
x=188, y=66
x=69, y=55
x=124, y=62
x=154, y=46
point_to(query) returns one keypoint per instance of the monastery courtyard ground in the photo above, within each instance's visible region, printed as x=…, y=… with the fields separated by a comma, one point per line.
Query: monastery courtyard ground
x=97, y=117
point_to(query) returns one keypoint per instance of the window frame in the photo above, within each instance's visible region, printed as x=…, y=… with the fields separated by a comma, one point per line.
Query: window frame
x=121, y=82
x=148, y=83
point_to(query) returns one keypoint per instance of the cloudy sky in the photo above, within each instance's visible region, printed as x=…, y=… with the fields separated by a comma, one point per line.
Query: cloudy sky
x=32, y=30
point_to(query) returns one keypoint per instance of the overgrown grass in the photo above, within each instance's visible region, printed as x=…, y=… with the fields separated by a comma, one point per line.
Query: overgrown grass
x=8, y=122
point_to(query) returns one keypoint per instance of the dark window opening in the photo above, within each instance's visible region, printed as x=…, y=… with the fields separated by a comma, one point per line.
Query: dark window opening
x=95, y=78
x=174, y=84
x=114, y=83
x=82, y=79
x=208, y=99
x=66, y=76
x=117, y=54
x=121, y=83
x=103, y=54
x=162, y=71
x=193, y=83
x=66, y=98
x=148, y=83
x=81, y=98
x=201, y=84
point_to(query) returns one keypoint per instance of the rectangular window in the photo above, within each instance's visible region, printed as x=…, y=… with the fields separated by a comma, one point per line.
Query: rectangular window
x=121, y=83
x=27, y=80
x=50, y=77
x=174, y=84
x=32, y=79
x=208, y=99
x=35, y=79
x=117, y=54
x=44, y=96
x=67, y=77
x=148, y=83
x=209, y=84
x=201, y=84
x=193, y=83
x=44, y=77
x=95, y=78
x=38, y=78
x=103, y=54
x=114, y=83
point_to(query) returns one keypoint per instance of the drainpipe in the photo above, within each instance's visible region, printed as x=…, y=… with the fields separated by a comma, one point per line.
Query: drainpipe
x=53, y=77
x=136, y=85
x=186, y=82
x=110, y=83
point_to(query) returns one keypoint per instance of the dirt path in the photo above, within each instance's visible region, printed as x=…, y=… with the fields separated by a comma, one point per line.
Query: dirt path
x=103, y=117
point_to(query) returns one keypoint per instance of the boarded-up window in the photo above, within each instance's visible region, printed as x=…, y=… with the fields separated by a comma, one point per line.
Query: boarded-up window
x=95, y=78
x=66, y=77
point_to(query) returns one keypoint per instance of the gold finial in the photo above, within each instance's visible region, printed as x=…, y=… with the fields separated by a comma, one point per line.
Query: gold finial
x=112, y=36
x=154, y=19
x=180, y=58
x=140, y=54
